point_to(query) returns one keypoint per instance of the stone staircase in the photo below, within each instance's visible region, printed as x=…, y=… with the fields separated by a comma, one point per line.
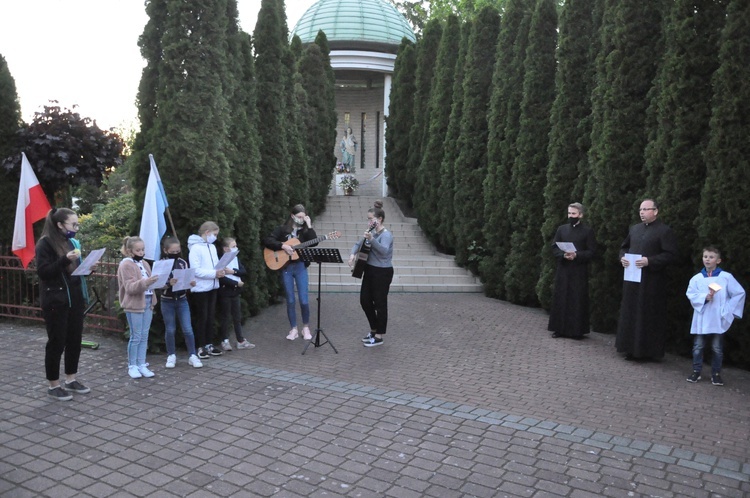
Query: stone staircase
x=417, y=265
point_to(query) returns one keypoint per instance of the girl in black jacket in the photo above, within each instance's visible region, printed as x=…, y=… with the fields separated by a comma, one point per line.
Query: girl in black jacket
x=63, y=300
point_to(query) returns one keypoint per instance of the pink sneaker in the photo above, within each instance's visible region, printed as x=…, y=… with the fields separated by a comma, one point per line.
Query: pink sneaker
x=306, y=335
x=293, y=334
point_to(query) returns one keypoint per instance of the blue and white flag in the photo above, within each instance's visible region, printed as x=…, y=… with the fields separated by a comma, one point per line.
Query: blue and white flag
x=153, y=223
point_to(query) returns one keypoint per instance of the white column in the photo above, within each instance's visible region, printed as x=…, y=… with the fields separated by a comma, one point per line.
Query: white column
x=386, y=105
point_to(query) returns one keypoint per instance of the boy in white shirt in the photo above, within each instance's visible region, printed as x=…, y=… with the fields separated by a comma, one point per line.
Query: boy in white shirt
x=717, y=298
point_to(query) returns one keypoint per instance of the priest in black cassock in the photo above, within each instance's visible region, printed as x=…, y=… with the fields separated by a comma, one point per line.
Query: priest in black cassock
x=569, y=314
x=641, y=329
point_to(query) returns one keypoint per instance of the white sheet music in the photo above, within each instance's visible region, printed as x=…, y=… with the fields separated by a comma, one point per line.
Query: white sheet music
x=566, y=246
x=225, y=260
x=184, y=277
x=162, y=269
x=88, y=263
x=632, y=272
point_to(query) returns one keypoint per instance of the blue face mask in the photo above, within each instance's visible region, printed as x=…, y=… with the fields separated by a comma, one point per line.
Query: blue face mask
x=70, y=234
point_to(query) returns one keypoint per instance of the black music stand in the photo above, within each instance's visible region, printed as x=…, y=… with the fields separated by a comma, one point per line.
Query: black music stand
x=320, y=256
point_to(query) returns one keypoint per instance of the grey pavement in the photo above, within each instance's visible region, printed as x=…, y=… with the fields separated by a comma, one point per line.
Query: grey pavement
x=468, y=396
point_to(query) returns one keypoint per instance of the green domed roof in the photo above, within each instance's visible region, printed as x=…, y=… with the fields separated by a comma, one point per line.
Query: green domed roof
x=355, y=24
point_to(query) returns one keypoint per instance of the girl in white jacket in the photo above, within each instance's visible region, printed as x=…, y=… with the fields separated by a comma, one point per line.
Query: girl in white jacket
x=203, y=257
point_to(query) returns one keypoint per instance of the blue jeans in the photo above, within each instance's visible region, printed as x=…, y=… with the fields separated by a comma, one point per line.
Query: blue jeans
x=716, y=358
x=139, y=323
x=296, y=272
x=173, y=310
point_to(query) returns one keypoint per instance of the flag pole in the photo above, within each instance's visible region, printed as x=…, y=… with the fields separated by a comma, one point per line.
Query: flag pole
x=171, y=223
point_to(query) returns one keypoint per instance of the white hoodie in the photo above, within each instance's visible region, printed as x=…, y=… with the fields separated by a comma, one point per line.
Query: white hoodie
x=203, y=258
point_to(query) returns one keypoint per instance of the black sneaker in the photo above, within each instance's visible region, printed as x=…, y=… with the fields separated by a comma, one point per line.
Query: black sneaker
x=367, y=337
x=716, y=380
x=210, y=349
x=694, y=377
x=202, y=354
x=374, y=341
x=76, y=387
x=59, y=394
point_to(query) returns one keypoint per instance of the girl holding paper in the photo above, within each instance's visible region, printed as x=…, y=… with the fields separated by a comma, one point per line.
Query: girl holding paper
x=138, y=301
x=63, y=300
x=174, y=307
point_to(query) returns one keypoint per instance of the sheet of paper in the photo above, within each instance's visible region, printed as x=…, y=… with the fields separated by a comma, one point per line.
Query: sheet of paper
x=161, y=269
x=566, y=246
x=632, y=272
x=225, y=260
x=184, y=277
x=89, y=262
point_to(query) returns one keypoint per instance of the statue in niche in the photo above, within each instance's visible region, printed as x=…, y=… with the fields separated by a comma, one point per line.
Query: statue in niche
x=348, y=149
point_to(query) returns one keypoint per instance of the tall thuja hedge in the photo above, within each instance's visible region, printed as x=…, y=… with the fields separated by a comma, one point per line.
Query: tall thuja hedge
x=502, y=123
x=428, y=173
x=400, y=117
x=529, y=173
x=683, y=108
x=446, y=219
x=569, y=136
x=189, y=129
x=427, y=48
x=724, y=208
x=294, y=131
x=319, y=124
x=616, y=154
x=245, y=161
x=471, y=166
x=270, y=47
x=10, y=121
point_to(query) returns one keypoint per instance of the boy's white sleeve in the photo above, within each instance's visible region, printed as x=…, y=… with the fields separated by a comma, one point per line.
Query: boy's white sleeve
x=735, y=302
x=695, y=294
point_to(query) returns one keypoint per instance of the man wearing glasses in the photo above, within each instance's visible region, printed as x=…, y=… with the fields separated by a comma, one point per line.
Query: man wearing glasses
x=641, y=329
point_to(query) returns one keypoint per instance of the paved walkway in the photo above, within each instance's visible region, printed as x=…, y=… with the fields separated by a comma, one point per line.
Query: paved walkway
x=468, y=396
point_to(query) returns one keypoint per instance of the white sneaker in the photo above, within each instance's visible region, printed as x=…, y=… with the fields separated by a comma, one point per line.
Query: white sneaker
x=293, y=334
x=194, y=361
x=306, y=333
x=134, y=372
x=171, y=361
x=145, y=371
x=225, y=345
x=245, y=345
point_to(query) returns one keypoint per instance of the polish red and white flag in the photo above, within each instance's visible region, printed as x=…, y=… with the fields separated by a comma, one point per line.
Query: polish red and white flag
x=32, y=206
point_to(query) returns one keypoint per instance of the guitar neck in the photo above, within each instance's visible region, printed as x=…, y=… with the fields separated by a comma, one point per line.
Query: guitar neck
x=310, y=242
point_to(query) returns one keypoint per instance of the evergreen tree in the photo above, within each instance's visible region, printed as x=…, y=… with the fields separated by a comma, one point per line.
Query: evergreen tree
x=447, y=188
x=675, y=158
x=569, y=136
x=724, y=209
x=189, y=113
x=299, y=176
x=427, y=49
x=244, y=158
x=631, y=34
x=428, y=173
x=273, y=80
x=10, y=122
x=529, y=172
x=504, y=115
x=471, y=166
x=319, y=124
x=399, y=117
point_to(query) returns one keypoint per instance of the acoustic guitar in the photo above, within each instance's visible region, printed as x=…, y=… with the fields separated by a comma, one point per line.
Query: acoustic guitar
x=363, y=254
x=276, y=260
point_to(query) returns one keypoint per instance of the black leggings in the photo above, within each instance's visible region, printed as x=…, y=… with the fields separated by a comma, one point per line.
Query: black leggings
x=64, y=333
x=205, y=313
x=373, y=296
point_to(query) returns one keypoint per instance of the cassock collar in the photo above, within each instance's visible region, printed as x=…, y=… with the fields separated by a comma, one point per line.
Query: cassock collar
x=714, y=273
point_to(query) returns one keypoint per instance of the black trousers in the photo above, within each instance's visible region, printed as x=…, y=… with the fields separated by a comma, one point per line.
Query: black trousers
x=373, y=296
x=231, y=309
x=64, y=333
x=205, y=314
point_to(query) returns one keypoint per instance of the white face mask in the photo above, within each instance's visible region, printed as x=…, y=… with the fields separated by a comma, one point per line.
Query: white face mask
x=299, y=221
x=234, y=249
x=211, y=238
